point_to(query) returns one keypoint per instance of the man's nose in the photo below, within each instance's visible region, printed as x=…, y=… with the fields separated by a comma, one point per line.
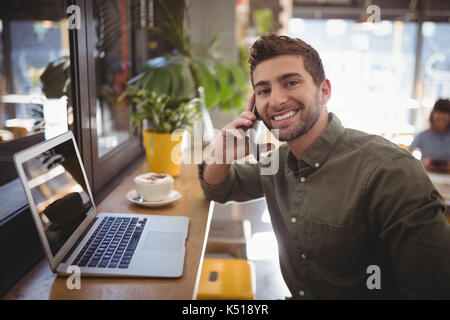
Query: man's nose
x=277, y=98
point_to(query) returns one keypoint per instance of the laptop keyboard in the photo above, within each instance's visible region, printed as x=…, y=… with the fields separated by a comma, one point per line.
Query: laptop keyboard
x=112, y=244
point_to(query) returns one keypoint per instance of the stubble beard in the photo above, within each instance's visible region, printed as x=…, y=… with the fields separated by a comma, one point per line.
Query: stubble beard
x=308, y=118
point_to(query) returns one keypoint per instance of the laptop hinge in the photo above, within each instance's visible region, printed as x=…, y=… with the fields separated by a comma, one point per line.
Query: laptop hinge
x=79, y=240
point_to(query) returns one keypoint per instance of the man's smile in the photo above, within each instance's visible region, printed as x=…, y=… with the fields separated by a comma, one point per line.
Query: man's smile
x=284, y=118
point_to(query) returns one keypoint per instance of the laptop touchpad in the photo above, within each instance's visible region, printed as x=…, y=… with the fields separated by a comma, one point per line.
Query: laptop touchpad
x=163, y=241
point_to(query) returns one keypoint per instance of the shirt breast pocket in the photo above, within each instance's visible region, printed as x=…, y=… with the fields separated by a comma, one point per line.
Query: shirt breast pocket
x=338, y=250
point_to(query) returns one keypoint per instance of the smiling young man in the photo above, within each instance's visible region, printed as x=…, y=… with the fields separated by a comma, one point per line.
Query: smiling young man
x=354, y=215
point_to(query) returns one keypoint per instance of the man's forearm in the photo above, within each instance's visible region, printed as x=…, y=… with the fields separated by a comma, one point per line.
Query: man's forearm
x=216, y=173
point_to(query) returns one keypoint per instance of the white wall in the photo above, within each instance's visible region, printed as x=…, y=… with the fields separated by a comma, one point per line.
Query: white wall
x=213, y=18
x=207, y=19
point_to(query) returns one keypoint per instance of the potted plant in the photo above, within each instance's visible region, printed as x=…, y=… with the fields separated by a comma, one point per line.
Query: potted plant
x=164, y=118
x=186, y=78
x=191, y=71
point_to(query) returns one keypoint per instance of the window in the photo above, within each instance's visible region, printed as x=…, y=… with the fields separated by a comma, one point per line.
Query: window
x=435, y=74
x=371, y=69
x=40, y=78
x=54, y=79
x=111, y=47
x=112, y=69
x=118, y=46
x=36, y=103
x=35, y=80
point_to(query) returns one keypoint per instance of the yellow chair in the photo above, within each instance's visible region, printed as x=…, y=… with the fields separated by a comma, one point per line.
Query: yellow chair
x=223, y=279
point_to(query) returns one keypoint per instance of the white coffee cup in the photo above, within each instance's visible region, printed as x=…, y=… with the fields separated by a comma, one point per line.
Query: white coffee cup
x=153, y=186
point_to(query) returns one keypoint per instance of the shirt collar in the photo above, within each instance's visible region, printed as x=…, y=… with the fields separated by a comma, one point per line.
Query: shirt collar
x=318, y=152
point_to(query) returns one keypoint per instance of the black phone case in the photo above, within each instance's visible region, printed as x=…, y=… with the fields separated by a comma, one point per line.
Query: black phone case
x=255, y=111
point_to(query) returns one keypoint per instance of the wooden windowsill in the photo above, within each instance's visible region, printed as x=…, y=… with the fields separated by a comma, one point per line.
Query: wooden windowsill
x=41, y=283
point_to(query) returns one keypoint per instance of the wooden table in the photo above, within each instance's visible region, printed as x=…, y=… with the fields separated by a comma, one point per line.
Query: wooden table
x=41, y=283
x=441, y=181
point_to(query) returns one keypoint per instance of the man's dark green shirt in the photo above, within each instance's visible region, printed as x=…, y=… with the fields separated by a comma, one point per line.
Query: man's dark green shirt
x=355, y=204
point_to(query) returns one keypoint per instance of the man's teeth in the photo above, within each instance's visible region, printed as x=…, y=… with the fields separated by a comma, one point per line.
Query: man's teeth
x=285, y=116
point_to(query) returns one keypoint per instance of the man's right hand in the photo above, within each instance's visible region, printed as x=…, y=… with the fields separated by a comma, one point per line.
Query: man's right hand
x=232, y=143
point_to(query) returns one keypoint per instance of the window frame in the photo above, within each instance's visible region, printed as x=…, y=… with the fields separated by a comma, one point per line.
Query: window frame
x=104, y=169
x=24, y=251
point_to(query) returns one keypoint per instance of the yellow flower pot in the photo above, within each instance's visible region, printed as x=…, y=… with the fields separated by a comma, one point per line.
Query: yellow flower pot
x=163, y=152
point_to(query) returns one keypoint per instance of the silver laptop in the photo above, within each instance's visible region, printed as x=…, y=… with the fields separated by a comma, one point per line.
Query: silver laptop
x=73, y=233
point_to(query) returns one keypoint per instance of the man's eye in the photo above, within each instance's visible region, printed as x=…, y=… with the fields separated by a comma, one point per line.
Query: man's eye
x=263, y=91
x=292, y=83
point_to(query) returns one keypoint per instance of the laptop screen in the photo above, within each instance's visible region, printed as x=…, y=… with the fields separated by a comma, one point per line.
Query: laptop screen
x=59, y=192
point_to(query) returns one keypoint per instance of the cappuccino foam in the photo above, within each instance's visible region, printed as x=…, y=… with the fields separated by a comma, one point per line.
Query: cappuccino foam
x=154, y=178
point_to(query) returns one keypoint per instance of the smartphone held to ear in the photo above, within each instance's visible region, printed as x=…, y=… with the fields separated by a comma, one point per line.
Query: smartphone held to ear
x=255, y=111
x=254, y=133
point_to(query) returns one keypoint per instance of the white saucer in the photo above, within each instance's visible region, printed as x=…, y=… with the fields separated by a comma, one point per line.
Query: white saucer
x=133, y=197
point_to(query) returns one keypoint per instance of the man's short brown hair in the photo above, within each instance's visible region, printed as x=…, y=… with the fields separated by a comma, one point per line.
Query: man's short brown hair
x=271, y=45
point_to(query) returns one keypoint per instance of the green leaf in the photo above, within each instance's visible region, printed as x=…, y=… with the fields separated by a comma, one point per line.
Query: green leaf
x=238, y=76
x=161, y=81
x=237, y=99
x=209, y=82
x=183, y=71
x=226, y=88
x=176, y=79
x=164, y=113
x=148, y=77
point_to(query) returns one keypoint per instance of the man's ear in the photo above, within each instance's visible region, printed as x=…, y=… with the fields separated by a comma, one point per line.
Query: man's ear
x=325, y=92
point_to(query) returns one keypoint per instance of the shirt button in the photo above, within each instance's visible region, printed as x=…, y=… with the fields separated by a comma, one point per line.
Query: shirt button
x=301, y=293
x=303, y=256
x=302, y=179
x=293, y=220
x=316, y=164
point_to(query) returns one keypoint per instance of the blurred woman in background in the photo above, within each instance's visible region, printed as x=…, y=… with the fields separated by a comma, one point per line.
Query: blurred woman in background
x=434, y=143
